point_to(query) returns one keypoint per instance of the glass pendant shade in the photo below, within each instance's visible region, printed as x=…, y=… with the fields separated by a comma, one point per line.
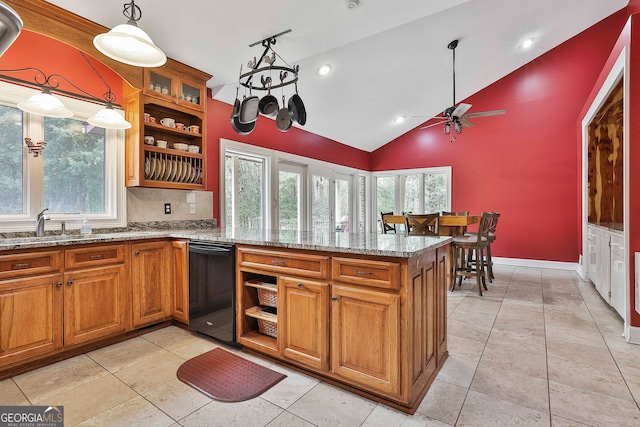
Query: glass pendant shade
x=128, y=44
x=109, y=119
x=46, y=105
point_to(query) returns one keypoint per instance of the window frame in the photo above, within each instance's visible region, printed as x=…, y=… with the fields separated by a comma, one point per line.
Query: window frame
x=33, y=170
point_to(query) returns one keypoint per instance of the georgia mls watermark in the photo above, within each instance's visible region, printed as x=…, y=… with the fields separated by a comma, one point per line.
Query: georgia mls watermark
x=31, y=416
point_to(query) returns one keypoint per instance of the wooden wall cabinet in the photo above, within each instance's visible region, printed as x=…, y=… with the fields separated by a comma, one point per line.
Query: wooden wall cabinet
x=151, y=282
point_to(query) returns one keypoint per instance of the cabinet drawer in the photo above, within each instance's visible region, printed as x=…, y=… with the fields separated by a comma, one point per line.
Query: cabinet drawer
x=93, y=255
x=380, y=274
x=285, y=262
x=30, y=263
x=617, y=245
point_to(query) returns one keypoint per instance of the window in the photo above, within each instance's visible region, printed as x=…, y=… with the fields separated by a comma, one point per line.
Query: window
x=290, y=206
x=80, y=170
x=245, y=191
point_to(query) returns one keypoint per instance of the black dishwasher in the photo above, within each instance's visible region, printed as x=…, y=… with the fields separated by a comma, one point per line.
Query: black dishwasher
x=212, y=290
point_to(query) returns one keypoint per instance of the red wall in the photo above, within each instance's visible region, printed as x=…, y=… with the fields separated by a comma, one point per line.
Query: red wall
x=266, y=134
x=526, y=163
x=54, y=57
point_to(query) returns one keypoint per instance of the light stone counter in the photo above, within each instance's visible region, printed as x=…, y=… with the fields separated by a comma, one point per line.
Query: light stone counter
x=353, y=243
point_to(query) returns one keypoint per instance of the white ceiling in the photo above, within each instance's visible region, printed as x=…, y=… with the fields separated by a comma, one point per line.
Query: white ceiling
x=389, y=58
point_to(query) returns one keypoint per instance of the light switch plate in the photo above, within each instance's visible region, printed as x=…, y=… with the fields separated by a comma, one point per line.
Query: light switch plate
x=192, y=208
x=191, y=197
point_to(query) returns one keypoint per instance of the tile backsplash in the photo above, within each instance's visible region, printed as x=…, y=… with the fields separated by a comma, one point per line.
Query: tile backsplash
x=148, y=204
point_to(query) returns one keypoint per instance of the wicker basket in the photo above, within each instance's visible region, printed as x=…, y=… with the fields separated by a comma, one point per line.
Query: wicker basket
x=267, y=322
x=267, y=292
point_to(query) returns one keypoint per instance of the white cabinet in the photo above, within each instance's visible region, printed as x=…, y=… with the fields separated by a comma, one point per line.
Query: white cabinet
x=605, y=266
x=618, y=287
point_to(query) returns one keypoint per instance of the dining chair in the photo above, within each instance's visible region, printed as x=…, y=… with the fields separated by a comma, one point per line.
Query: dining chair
x=422, y=224
x=386, y=226
x=471, y=247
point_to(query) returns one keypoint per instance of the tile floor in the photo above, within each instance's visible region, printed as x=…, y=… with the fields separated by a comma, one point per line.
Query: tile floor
x=539, y=348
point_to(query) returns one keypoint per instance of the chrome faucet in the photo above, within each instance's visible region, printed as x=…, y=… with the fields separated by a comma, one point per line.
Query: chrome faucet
x=40, y=219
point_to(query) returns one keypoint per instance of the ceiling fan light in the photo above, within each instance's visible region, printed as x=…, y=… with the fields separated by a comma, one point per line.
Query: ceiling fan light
x=45, y=104
x=130, y=45
x=457, y=127
x=447, y=128
x=109, y=118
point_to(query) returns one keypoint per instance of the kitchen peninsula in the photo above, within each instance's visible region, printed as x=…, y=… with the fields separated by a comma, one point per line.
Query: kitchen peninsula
x=366, y=312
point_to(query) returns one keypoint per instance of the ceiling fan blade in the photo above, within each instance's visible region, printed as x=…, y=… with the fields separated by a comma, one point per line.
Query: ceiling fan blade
x=460, y=110
x=429, y=117
x=464, y=122
x=485, y=114
x=433, y=124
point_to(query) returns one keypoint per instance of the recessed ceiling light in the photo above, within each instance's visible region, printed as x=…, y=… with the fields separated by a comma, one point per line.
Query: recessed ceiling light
x=399, y=119
x=324, y=70
x=527, y=43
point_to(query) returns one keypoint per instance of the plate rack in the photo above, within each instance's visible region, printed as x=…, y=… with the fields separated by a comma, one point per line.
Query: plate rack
x=172, y=168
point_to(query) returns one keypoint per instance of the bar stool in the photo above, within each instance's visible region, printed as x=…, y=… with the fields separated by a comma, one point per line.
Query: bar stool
x=471, y=246
x=491, y=237
x=422, y=224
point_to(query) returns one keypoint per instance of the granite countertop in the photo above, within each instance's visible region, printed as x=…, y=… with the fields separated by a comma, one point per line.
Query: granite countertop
x=350, y=243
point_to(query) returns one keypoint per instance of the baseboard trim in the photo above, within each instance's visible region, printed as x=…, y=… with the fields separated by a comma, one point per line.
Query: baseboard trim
x=518, y=262
x=632, y=334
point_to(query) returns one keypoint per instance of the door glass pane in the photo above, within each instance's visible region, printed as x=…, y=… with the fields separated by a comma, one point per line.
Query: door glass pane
x=412, y=194
x=74, y=166
x=435, y=192
x=228, y=190
x=320, y=210
x=289, y=204
x=249, y=194
x=11, y=161
x=362, y=205
x=160, y=83
x=342, y=205
x=385, y=196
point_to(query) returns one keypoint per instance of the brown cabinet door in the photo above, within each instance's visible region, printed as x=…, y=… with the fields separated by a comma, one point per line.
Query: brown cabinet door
x=365, y=342
x=180, y=258
x=442, y=286
x=151, y=275
x=95, y=304
x=304, y=322
x=30, y=317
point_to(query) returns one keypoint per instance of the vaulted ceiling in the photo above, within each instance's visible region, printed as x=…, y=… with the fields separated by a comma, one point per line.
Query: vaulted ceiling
x=388, y=58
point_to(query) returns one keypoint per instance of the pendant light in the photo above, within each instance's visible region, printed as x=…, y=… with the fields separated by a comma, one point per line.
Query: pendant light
x=129, y=44
x=45, y=104
x=109, y=118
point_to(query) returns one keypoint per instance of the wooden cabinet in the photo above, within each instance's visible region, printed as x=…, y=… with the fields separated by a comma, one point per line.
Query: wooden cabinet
x=151, y=282
x=148, y=164
x=180, y=288
x=30, y=317
x=304, y=321
x=365, y=337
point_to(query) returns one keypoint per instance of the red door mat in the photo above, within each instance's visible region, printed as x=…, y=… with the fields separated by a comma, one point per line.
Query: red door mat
x=226, y=377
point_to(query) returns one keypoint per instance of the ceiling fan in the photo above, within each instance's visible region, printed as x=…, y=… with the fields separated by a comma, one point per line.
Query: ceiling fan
x=456, y=116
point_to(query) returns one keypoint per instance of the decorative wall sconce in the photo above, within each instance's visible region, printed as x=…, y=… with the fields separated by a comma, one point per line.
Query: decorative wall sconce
x=45, y=104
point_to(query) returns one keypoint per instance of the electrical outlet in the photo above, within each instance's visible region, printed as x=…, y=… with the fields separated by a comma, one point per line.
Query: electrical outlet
x=192, y=208
x=167, y=208
x=215, y=222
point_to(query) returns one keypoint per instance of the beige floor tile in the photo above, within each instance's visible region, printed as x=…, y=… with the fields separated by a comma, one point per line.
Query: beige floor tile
x=176, y=398
x=135, y=412
x=91, y=399
x=628, y=366
x=171, y=337
x=518, y=340
x=457, y=371
x=557, y=421
x=254, y=412
x=622, y=349
x=50, y=381
x=469, y=330
x=483, y=410
x=512, y=386
x=443, y=402
x=151, y=372
x=591, y=408
x=464, y=348
x=290, y=389
x=587, y=377
x=11, y=395
x=196, y=348
x=287, y=419
x=327, y=405
x=579, y=353
x=585, y=337
x=384, y=416
x=531, y=364
x=126, y=353
x=524, y=305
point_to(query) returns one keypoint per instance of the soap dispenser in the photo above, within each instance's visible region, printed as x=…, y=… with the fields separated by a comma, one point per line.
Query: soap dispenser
x=85, y=229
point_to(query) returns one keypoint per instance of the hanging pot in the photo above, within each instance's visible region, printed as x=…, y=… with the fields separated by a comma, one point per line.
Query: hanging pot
x=296, y=108
x=241, y=128
x=268, y=104
x=283, y=118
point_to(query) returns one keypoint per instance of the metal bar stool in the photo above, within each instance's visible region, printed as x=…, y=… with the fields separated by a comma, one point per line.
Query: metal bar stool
x=468, y=247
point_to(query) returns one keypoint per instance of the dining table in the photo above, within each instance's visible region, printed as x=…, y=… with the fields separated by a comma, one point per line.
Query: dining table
x=456, y=225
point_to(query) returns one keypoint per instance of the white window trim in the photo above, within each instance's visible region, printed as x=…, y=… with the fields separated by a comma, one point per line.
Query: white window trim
x=115, y=206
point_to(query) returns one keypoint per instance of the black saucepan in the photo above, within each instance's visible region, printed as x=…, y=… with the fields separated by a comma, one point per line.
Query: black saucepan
x=296, y=108
x=249, y=110
x=241, y=128
x=268, y=104
x=283, y=118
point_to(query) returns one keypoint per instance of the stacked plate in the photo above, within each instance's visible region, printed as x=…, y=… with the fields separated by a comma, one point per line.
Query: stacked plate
x=171, y=170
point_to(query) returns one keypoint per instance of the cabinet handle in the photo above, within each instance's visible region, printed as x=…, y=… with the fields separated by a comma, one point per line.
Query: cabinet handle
x=16, y=266
x=276, y=262
x=59, y=284
x=69, y=282
x=364, y=273
x=300, y=285
x=334, y=298
x=137, y=253
x=99, y=256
